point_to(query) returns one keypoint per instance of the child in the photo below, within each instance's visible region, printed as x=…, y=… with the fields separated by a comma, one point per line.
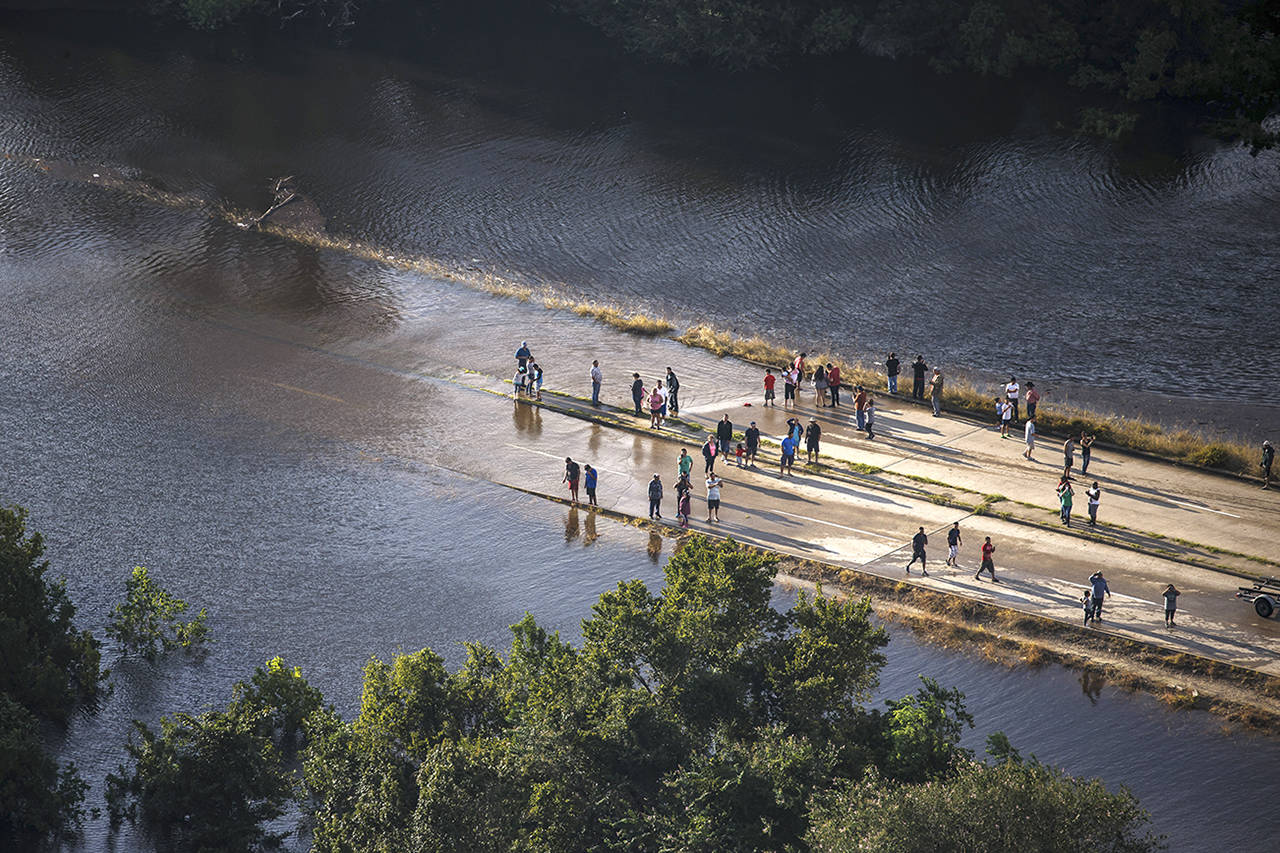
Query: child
x=535, y=379
x=869, y=412
x=769, y=381
x=521, y=374
x=741, y=453
x=684, y=503
x=1087, y=603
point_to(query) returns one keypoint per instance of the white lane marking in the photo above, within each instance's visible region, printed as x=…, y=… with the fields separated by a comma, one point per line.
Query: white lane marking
x=554, y=456
x=1199, y=506
x=833, y=524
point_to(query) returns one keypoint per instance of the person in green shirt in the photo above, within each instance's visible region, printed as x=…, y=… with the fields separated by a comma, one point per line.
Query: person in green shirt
x=685, y=465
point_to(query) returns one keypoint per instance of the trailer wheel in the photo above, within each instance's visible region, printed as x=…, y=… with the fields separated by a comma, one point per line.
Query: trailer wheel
x=1263, y=605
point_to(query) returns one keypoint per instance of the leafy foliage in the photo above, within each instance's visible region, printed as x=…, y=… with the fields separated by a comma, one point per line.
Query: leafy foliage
x=209, y=782
x=48, y=670
x=983, y=808
x=146, y=623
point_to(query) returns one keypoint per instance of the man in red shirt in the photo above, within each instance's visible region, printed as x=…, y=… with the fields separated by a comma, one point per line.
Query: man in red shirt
x=833, y=382
x=769, y=381
x=988, y=565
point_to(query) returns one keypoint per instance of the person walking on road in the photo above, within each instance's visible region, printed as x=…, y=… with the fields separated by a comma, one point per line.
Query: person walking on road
x=988, y=562
x=1033, y=399
x=953, y=545
x=812, y=437
x=571, y=472
x=1170, y=604
x=770, y=399
x=918, y=369
x=597, y=379
x=589, y=479
x=1086, y=601
x=870, y=413
x=713, y=497
x=833, y=382
x=918, y=543
x=1100, y=591
x=1094, y=494
x=788, y=456
x=1011, y=391
x=1065, y=494
x=1268, y=456
x=724, y=432
x=684, y=464
x=1086, y=451
x=935, y=392
x=673, y=392
x=637, y=392
x=752, y=437
x=655, y=497
x=891, y=367
x=1030, y=431
x=709, y=451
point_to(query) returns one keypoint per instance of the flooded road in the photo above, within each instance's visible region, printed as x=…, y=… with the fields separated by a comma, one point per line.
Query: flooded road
x=326, y=525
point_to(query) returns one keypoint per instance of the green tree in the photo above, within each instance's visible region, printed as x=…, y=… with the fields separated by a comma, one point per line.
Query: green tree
x=209, y=782
x=983, y=808
x=38, y=799
x=146, y=623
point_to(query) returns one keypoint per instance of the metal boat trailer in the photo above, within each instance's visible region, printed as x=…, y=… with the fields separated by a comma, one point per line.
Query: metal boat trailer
x=1265, y=595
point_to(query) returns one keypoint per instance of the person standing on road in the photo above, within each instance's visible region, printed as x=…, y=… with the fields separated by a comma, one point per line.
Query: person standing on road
x=1068, y=455
x=684, y=500
x=673, y=392
x=724, y=432
x=1006, y=416
x=918, y=543
x=713, y=497
x=656, y=402
x=752, y=437
x=797, y=367
x=637, y=392
x=523, y=355
x=589, y=479
x=1100, y=591
x=812, y=437
x=684, y=464
x=571, y=472
x=918, y=369
x=597, y=379
x=1030, y=431
x=833, y=382
x=1268, y=456
x=788, y=387
x=655, y=497
x=1086, y=451
x=788, y=456
x=988, y=561
x=770, y=399
x=1033, y=398
x=1065, y=493
x=860, y=406
x=870, y=413
x=709, y=454
x=1170, y=604
x=1094, y=494
x=891, y=371
x=953, y=545
x=535, y=379
x=820, y=386
x=1011, y=392
x=935, y=392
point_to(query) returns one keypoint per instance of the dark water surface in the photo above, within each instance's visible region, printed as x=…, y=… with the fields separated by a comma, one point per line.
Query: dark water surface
x=140, y=430
x=888, y=213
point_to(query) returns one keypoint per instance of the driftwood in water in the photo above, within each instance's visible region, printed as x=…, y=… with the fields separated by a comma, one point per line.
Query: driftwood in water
x=290, y=208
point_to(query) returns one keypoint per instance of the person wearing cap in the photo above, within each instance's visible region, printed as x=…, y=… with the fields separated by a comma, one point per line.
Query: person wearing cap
x=523, y=355
x=812, y=436
x=1268, y=456
x=655, y=497
x=753, y=443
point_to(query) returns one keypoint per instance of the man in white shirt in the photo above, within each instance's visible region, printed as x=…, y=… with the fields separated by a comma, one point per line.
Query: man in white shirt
x=597, y=379
x=1011, y=391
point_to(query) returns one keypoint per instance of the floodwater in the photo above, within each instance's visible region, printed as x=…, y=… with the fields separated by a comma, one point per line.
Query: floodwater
x=162, y=405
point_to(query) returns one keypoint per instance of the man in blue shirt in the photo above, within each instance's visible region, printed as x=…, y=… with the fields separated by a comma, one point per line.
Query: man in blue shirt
x=1100, y=589
x=788, y=455
x=589, y=482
